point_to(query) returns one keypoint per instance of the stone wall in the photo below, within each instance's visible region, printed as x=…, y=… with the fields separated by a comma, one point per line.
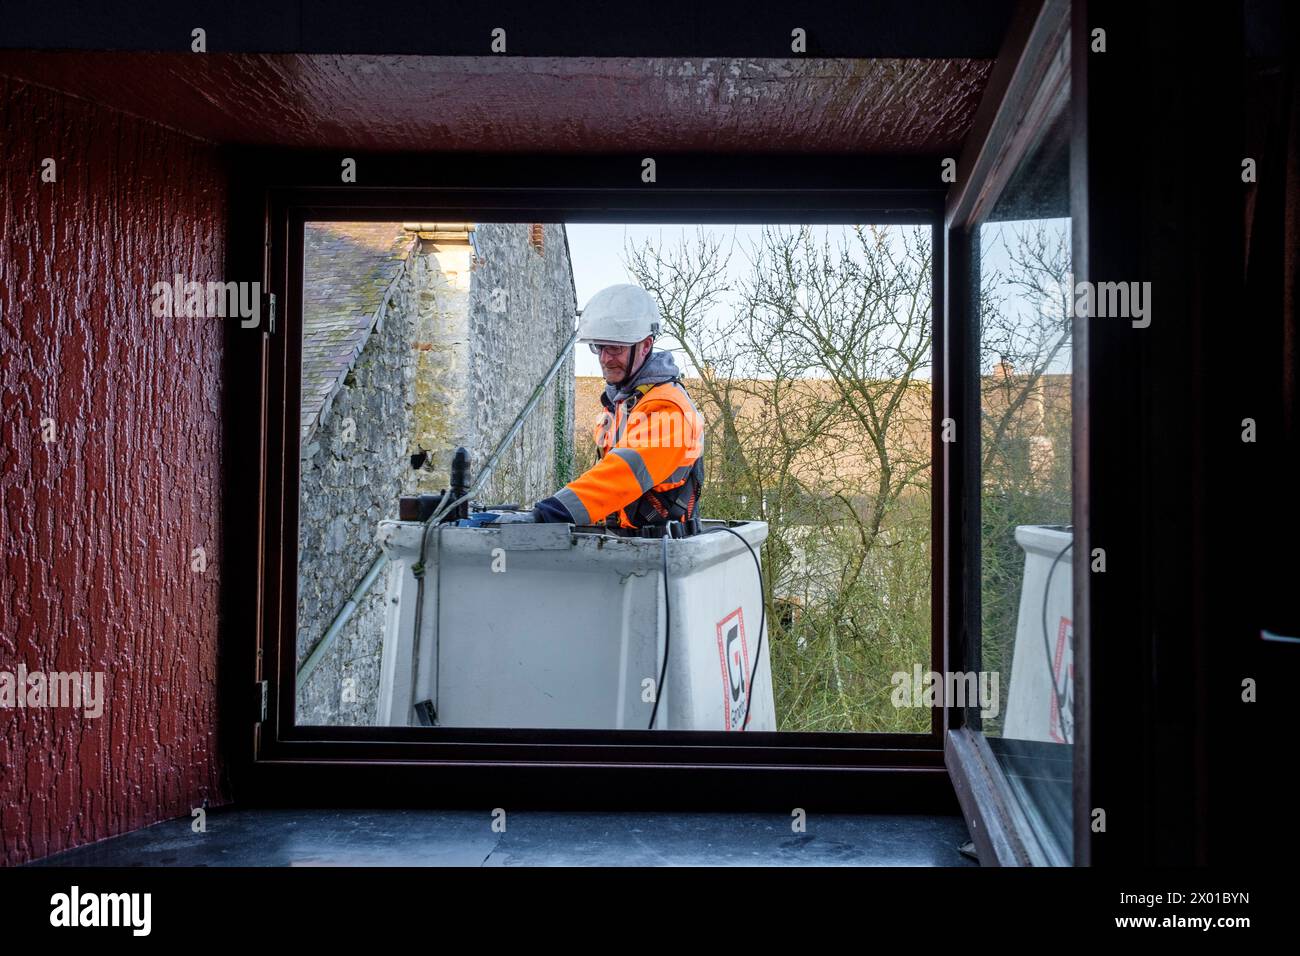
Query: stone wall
x=493, y=317
x=439, y=354
x=453, y=338
x=356, y=458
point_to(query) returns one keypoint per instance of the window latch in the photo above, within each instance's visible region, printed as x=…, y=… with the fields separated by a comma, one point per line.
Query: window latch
x=268, y=306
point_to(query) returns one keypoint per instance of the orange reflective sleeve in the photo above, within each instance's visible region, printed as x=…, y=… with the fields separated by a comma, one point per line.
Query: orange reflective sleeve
x=659, y=437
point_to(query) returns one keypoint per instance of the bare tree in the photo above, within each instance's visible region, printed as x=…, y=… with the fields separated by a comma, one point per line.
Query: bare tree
x=1021, y=345
x=1026, y=326
x=814, y=387
x=863, y=322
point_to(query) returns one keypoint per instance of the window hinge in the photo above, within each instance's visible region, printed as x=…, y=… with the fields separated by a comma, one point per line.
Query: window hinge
x=263, y=695
x=268, y=303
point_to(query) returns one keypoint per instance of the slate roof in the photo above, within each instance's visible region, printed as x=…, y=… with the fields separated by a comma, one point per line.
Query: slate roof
x=348, y=268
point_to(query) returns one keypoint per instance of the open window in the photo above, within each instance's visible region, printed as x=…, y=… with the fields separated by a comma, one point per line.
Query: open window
x=423, y=320
x=440, y=390
x=1013, y=308
x=465, y=277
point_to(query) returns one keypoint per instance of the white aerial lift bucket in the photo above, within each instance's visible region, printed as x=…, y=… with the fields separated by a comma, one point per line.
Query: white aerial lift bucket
x=542, y=625
x=1042, y=669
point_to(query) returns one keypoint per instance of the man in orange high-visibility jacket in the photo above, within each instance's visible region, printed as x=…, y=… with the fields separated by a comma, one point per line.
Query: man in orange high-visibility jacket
x=650, y=436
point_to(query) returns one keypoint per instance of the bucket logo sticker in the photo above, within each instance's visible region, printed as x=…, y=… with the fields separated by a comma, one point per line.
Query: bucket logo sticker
x=733, y=654
x=1063, y=684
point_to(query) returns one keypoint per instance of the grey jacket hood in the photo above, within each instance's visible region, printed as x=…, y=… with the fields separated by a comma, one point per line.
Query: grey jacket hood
x=658, y=367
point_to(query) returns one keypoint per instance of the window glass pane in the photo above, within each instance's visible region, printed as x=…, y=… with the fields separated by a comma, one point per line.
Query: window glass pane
x=1025, y=338
x=806, y=351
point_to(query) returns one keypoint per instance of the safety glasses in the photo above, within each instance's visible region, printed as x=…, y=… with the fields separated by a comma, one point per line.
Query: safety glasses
x=598, y=347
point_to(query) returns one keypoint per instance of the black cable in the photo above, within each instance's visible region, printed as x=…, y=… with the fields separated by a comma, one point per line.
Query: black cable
x=668, y=633
x=762, y=623
x=1047, y=641
x=762, y=620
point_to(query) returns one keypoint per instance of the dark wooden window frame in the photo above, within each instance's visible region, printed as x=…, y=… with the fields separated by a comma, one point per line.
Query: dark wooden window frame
x=272, y=760
x=1034, y=76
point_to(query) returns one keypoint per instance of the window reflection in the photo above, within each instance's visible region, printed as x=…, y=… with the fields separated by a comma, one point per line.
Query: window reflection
x=1026, y=535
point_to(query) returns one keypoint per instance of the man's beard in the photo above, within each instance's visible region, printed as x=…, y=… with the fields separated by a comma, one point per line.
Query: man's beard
x=628, y=370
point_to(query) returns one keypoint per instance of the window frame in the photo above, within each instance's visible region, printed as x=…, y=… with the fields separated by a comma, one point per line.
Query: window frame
x=1034, y=82
x=275, y=193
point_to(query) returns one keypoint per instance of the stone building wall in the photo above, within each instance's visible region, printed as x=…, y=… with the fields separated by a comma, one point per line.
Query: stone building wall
x=440, y=411
x=493, y=316
x=522, y=308
x=418, y=341
x=361, y=284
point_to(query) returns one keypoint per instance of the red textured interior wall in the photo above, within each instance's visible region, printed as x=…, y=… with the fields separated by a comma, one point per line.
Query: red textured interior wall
x=110, y=469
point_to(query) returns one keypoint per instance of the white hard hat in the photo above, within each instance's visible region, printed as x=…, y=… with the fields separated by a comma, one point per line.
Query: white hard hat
x=619, y=314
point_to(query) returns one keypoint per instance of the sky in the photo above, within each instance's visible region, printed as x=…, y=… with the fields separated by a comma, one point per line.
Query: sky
x=997, y=240
x=598, y=251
